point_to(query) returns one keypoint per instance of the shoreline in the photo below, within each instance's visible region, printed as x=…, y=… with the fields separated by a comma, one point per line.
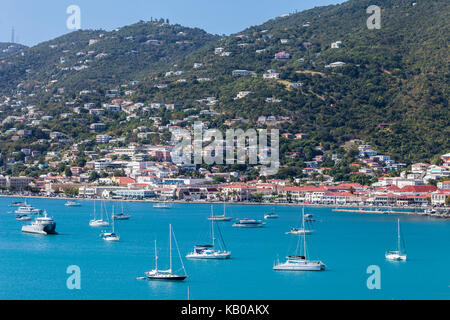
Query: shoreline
x=341, y=207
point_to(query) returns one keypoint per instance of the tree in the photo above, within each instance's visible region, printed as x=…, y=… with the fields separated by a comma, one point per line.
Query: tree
x=447, y=201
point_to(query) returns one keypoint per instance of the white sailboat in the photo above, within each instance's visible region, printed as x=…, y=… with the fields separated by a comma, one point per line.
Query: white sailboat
x=302, y=230
x=167, y=275
x=110, y=236
x=222, y=217
x=271, y=215
x=299, y=262
x=209, y=251
x=397, y=255
x=98, y=222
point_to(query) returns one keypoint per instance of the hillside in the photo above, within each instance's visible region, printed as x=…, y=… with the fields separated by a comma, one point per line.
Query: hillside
x=391, y=89
x=89, y=59
x=7, y=48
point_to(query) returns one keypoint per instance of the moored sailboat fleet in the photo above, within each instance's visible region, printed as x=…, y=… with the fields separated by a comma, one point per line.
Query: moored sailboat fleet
x=215, y=250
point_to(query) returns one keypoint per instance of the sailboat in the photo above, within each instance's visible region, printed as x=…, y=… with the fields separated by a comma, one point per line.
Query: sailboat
x=167, y=275
x=396, y=255
x=300, y=262
x=271, y=215
x=110, y=236
x=209, y=251
x=302, y=230
x=98, y=223
x=222, y=217
x=121, y=216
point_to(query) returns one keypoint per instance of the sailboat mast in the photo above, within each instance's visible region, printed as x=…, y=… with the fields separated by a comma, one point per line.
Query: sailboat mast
x=398, y=235
x=112, y=218
x=156, y=257
x=170, y=247
x=212, y=225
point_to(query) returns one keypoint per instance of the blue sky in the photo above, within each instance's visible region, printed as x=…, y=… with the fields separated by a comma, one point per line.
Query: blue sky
x=36, y=21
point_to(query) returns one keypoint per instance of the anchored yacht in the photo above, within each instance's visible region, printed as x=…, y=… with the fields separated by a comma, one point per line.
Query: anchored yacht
x=209, y=251
x=397, y=255
x=41, y=225
x=166, y=275
x=249, y=223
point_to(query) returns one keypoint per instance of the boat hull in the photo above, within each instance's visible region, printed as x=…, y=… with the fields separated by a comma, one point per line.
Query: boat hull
x=152, y=275
x=44, y=230
x=213, y=256
x=395, y=257
x=299, y=267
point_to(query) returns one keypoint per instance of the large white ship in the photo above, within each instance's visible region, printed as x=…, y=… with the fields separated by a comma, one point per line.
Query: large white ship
x=42, y=225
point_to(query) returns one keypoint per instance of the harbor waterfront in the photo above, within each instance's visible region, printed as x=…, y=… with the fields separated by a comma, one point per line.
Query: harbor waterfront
x=34, y=266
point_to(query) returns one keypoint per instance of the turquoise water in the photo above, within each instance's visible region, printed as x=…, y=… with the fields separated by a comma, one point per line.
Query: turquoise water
x=34, y=267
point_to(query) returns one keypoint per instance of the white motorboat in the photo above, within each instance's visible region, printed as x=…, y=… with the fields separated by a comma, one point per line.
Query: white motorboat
x=166, y=275
x=98, y=222
x=163, y=205
x=41, y=225
x=28, y=209
x=72, y=204
x=249, y=223
x=299, y=262
x=397, y=255
x=209, y=251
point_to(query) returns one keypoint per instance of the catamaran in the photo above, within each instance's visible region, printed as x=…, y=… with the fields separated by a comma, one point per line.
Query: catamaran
x=221, y=217
x=121, y=216
x=41, y=225
x=110, y=236
x=300, y=262
x=302, y=230
x=98, y=222
x=397, y=255
x=167, y=275
x=209, y=251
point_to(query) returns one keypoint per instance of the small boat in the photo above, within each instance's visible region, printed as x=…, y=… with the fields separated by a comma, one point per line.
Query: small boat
x=72, y=204
x=302, y=230
x=396, y=255
x=209, y=251
x=18, y=204
x=28, y=209
x=249, y=223
x=110, y=236
x=166, y=275
x=121, y=216
x=221, y=217
x=41, y=225
x=299, y=262
x=98, y=222
x=163, y=205
x=23, y=217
